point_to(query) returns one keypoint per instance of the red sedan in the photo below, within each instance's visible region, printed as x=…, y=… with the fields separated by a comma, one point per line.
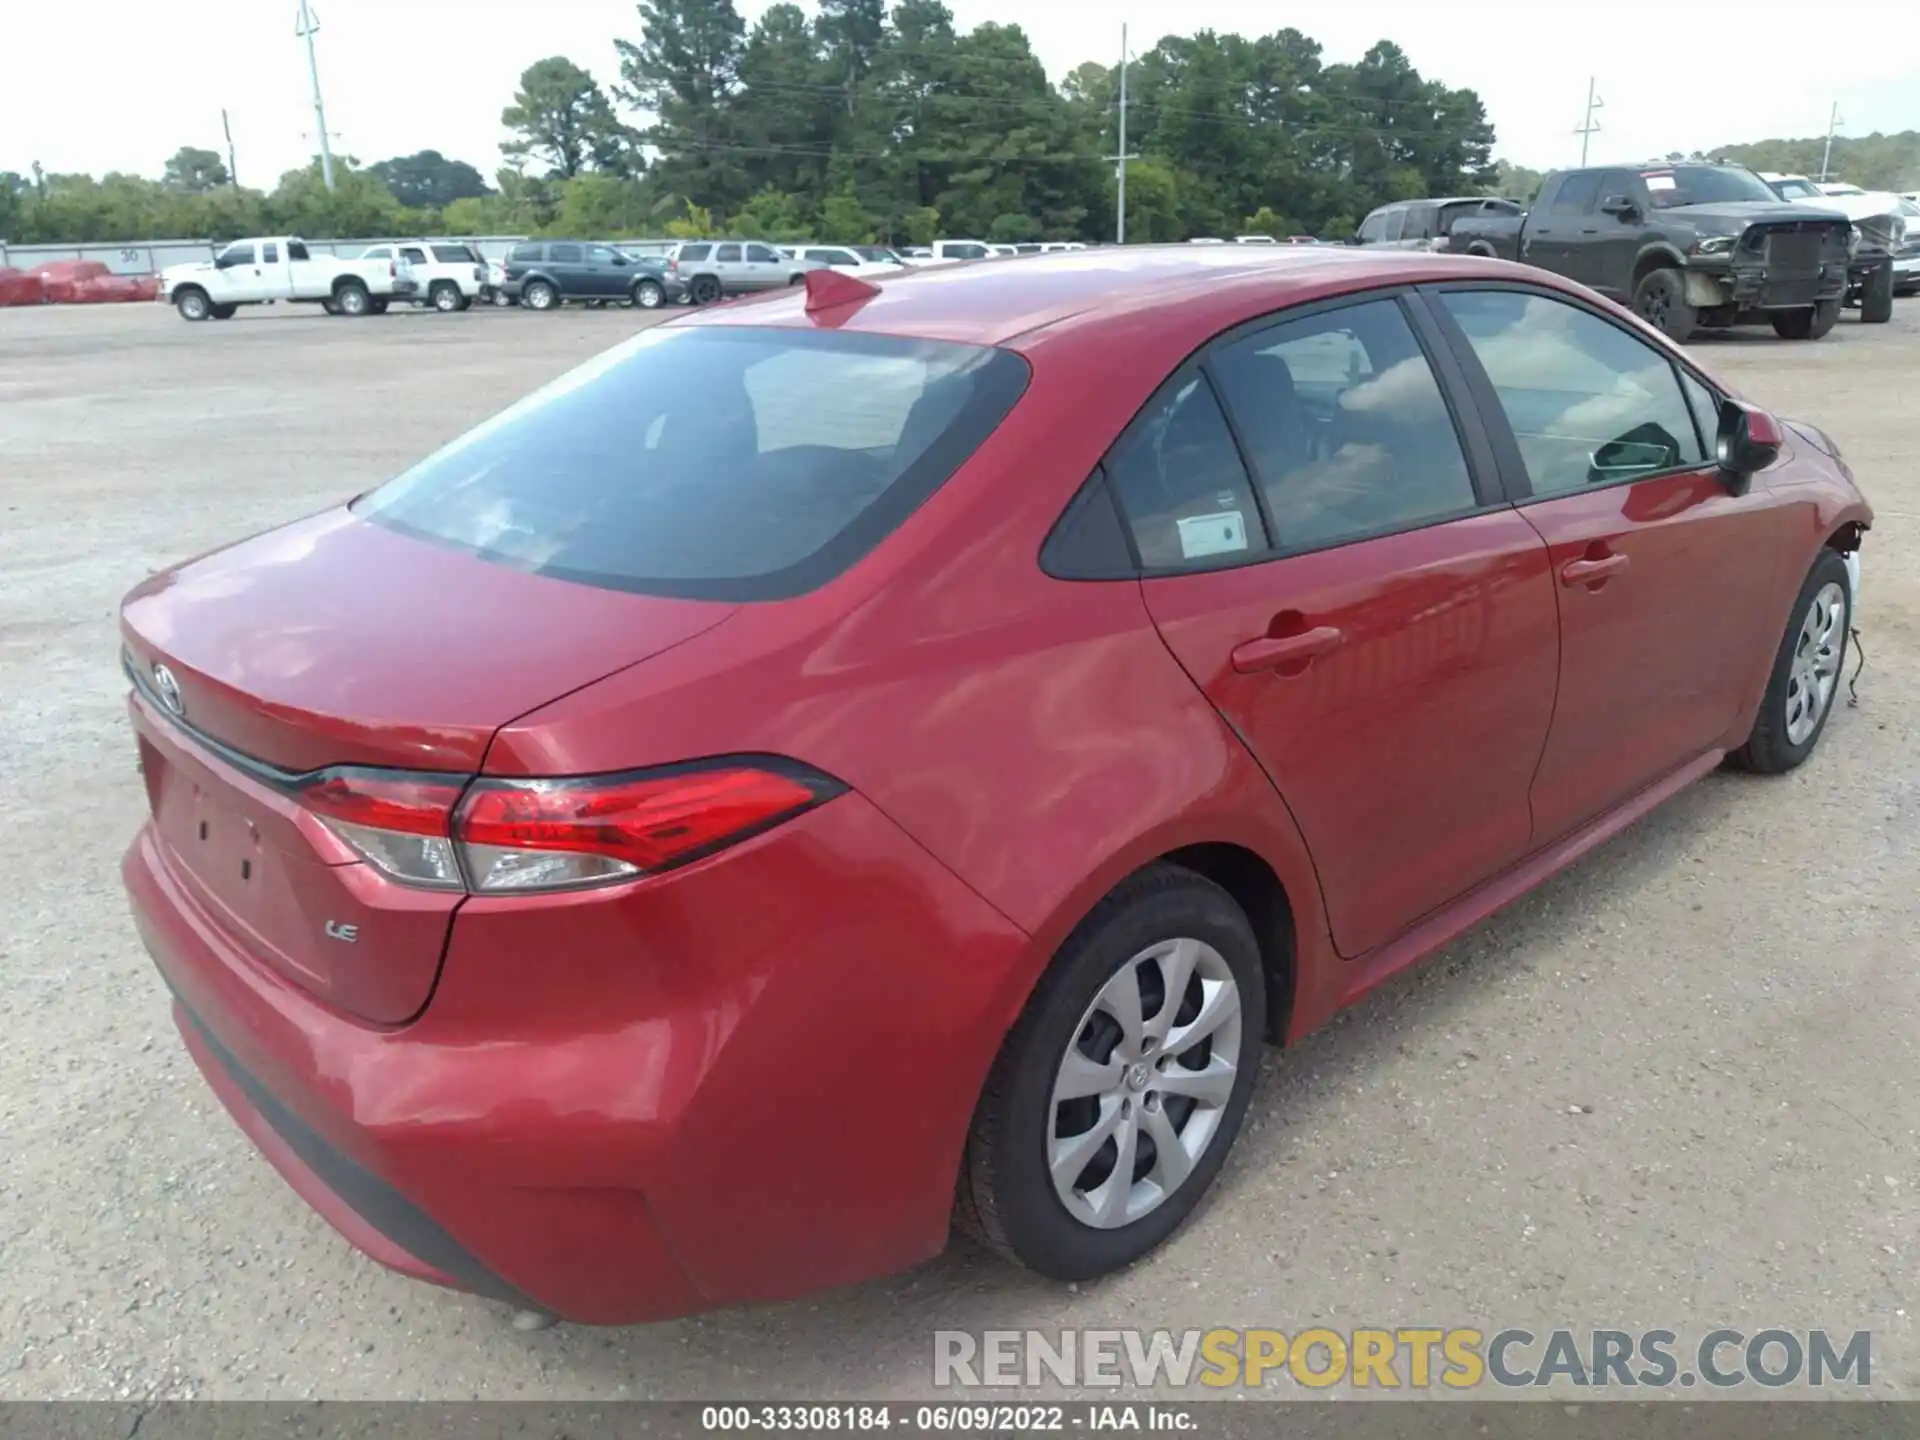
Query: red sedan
x=869, y=756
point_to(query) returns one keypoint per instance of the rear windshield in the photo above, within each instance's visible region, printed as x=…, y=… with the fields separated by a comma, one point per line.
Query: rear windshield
x=712, y=463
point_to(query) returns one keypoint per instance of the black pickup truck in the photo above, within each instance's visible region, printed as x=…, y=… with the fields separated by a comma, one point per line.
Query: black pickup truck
x=1688, y=245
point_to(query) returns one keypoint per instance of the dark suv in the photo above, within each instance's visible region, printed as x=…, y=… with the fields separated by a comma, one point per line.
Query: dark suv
x=1428, y=224
x=543, y=274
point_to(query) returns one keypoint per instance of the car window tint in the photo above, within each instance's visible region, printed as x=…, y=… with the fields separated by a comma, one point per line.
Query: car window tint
x=1589, y=403
x=1181, y=485
x=235, y=255
x=270, y=253
x=1374, y=227
x=414, y=255
x=1706, y=411
x=454, y=255
x=599, y=254
x=296, y=250
x=726, y=254
x=1396, y=223
x=564, y=254
x=761, y=255
x=525, y=254
x=724, y=463
x=1344, y=425
x=1577, y=192
x=693, y=252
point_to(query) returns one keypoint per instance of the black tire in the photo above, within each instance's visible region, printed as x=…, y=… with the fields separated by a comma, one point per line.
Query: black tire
x=540, y=295
x=377, y=307
x=1876, y=297
x=1005, y=1195
x=350, y=298
x=649, y=295
x=502, y=299
x=445, y=297
x=705, y=290
x=1810, y=324
x=1660, y=299
x=1771, y=749
x=225, y=312
x=192, y=303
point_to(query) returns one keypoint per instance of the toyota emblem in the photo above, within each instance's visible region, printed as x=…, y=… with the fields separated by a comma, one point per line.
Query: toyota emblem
x=169, y=689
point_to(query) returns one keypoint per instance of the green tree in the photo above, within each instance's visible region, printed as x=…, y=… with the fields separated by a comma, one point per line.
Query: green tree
x=599, y=206
x=843, y=219
x=683, y=70
x=357, y=206
x=428, y=180
x=772, y=215
x=562, y=118
x=195, y=170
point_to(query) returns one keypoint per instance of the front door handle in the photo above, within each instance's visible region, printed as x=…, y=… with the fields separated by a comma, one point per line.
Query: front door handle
x=1270, y=652
x=1588, y=572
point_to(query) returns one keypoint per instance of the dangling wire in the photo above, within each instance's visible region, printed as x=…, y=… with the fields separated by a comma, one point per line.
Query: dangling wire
x=1853, y=685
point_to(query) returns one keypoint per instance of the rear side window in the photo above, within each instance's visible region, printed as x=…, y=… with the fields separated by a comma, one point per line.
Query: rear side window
x=455, y=255
x=525, y=254
x=719, y=463
x=1345, y=426
x=1179, y=482
x=296, y=250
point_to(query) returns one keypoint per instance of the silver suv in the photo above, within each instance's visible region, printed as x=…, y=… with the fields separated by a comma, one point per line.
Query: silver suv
x=710, y=270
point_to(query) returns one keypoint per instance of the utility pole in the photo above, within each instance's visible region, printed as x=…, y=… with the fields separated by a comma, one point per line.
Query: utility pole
x=1833, y=124
x=307, y=25
x=1589, y=127
x=233, y=171
x=1120, y=160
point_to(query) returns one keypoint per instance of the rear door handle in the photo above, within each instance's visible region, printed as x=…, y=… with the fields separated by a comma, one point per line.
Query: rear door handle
x=1585, y=572
x=1270, y=652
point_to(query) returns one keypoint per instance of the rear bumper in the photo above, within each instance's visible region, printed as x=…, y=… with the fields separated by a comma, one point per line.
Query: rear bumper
x=746, y=1080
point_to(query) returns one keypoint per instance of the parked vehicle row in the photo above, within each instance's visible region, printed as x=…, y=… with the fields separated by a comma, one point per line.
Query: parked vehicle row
x=1693, y=245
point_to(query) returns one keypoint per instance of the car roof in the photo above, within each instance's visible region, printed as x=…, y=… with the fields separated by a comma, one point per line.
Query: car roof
x=989, y=302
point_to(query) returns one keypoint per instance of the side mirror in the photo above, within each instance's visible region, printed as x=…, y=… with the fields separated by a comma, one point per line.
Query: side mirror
x=1748, y=441
x=1619, y=206
x=620, y=258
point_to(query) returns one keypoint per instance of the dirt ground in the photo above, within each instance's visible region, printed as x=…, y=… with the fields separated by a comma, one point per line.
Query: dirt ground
x=1672, y=1089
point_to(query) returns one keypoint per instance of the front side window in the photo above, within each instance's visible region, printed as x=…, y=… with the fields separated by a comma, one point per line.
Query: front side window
x=721, y=463
x=1396, y=221
x=1345, y=426
x=564, y=254
x=599, y=254
x=1589, y=403
x=1180, y=483
x=235, y=255
x=270, y=253
x=1577, y=193
x=1374, y=227
x=761, y=255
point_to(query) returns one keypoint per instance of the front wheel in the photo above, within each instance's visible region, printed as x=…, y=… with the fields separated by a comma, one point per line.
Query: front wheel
x=539, y=295
x=1115, y=1098
x=1809, y=324
x=193, y=305
x=1806, y=672
x=649, y=295
x=1660, y=299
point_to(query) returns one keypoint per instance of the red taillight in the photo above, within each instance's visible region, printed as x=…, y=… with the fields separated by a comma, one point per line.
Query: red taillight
x=397, y=822
x=542, y=834
x=522, y=835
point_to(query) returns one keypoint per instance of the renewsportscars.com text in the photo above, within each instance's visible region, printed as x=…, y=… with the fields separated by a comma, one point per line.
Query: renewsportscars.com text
x=1400, y=1358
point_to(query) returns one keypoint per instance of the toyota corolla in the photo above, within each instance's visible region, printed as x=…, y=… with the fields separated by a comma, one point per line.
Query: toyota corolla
x=880, y=757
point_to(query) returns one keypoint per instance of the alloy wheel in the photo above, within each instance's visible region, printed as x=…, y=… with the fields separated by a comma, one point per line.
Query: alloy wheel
x=1816, y=662
x=1142, y=1090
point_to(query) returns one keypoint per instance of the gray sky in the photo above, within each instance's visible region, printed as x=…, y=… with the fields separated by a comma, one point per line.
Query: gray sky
x=112, y=84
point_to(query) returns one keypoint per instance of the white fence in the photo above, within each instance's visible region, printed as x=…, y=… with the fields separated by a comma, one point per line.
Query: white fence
x=149, y=257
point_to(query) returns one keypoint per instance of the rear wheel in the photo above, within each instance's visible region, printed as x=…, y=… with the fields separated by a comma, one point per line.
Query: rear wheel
x=539, y=295
x=1876, y=297
x=1660, y=299
x=1806, y=672
x=350, y=298
x=193, y=304
x=1115, y=1098
x=706, y=290
x=225, y=312
x=1809, y=324
x=376, y=307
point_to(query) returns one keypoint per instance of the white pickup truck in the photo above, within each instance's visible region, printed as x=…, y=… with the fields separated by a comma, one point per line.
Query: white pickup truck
x=281, y=267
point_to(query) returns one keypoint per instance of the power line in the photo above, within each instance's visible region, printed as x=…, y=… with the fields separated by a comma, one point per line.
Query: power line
x=1833, y=123
x=306, y=26
x=1589, y=127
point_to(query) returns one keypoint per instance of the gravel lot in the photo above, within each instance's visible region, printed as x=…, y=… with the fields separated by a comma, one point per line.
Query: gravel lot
x=1672, y=1089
